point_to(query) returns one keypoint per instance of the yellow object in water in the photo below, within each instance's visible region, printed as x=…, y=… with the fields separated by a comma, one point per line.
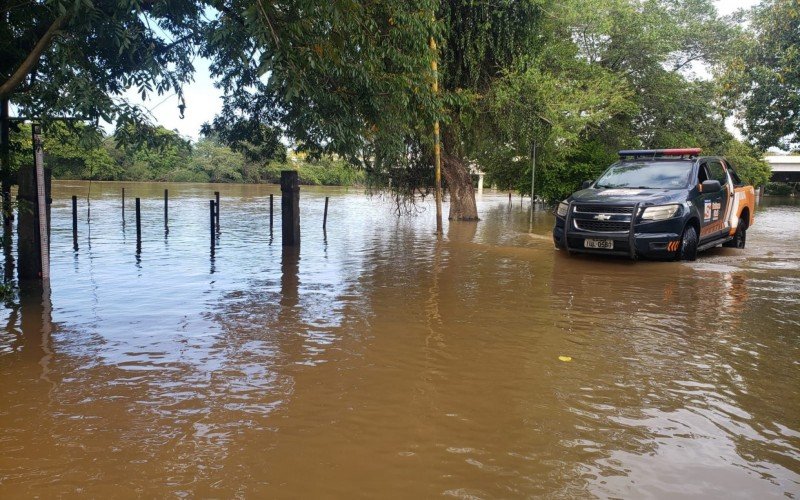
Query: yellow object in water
x=565, y=358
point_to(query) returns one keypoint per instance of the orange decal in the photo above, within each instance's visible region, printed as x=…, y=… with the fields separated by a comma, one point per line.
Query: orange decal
x=713, y=227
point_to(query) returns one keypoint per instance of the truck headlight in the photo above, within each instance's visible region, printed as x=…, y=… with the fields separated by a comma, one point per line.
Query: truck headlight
x=561, y=211
x=660, y=212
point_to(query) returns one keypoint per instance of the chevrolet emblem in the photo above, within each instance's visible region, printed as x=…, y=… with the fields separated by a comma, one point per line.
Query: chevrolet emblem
x=602, y=217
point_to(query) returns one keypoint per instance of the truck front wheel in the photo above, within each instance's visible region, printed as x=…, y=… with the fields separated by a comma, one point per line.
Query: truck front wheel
x=688, y=249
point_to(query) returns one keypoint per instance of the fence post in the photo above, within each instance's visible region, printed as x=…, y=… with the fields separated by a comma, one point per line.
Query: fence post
x=166, y=210
x=138, y=222
x=212, y=211
x=74, y=222
x=216, y=197
x=290, y=208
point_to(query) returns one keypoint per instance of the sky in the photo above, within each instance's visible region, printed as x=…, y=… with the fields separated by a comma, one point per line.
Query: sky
x=203, y=99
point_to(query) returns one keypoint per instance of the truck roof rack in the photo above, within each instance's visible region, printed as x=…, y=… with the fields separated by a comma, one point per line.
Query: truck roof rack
x=658, y=153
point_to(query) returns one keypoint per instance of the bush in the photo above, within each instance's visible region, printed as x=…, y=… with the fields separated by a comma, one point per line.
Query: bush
x=779, y=189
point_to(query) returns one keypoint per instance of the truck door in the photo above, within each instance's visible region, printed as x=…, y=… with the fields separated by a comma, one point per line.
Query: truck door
x=713, y=206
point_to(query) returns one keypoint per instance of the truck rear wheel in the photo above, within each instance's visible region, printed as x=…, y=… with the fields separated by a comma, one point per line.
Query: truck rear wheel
x=739, y=237
x=688, y=249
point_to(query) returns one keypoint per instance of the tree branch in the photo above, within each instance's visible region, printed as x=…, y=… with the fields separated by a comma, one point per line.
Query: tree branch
x=678, y=66
x=33, y=57
x=269, y=24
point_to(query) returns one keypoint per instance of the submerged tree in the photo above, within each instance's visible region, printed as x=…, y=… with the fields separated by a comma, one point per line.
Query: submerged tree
x=354, y=78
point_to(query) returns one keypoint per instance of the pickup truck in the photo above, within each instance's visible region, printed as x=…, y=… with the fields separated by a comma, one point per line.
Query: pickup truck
x=659, y=204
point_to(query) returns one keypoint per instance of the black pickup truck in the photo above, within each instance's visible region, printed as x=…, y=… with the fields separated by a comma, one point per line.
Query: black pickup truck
x=660, y=204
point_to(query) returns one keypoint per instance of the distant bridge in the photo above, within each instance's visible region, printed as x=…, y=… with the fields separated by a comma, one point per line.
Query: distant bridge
x=785, y=168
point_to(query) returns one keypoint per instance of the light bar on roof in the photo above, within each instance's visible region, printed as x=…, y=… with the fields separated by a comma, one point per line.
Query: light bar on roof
x=655, y=153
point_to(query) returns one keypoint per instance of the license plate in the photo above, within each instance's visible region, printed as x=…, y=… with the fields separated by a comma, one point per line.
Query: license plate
x=601, y=244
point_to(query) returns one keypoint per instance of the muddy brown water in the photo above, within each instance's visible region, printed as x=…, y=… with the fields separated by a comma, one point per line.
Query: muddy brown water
x=378, y=362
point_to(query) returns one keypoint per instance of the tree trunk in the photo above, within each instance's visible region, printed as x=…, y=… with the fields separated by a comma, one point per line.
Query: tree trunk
x=459, y=183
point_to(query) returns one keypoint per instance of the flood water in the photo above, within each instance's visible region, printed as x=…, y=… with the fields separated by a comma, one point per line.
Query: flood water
x=378, y=362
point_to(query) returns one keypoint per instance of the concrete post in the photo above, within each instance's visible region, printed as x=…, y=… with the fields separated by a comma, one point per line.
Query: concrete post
x=480, y=182
x=33, y=230
x=290, y=208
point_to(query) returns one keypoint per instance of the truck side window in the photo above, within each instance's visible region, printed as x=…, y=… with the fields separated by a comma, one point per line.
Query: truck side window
x=737, y=181
x=717, y=172
x=702, y=174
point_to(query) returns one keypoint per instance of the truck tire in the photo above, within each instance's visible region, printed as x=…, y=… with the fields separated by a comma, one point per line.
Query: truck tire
x=739, y=237
x=688, y=249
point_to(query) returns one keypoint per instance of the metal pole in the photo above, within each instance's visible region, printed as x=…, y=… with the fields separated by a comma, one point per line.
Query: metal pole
x=212, y=214
x=437, y=148
x=123, y=205
x=166, y=210
x=216, y=198
x=325, y=216
x=75, y=222
x=533, y=178
x=138, y=222
x=270, y=215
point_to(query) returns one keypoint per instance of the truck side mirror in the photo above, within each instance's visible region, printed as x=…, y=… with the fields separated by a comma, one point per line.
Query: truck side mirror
x=586, y=184
x=710, y=186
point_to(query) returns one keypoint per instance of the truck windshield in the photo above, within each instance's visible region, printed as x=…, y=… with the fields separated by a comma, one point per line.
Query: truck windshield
x=646, y=175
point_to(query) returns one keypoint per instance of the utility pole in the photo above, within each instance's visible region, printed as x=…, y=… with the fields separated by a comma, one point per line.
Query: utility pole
x=437, y=149
x=533, y=177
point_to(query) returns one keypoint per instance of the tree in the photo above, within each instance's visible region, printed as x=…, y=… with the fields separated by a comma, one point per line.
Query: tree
x=481, y=42
x=761, y=76
x=603, y=76
x=65, y=58
x=216, y=161
x=748, y=162
x=76, y=59
x=346, y=78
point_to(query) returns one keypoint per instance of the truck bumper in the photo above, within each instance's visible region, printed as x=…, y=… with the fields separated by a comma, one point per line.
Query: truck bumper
x=653, y=240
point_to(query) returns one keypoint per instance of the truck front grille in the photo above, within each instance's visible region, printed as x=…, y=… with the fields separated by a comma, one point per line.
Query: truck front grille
x=602, y=226
x=603, y=209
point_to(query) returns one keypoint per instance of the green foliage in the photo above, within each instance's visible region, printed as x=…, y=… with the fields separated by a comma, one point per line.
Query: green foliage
x=350, y=83
x=165, y=153
x=325, y=171
x=761, y=77
x=8, y=292
x=604, y=75
x=781, y=189
x=748, y=162
x=93, y=52
x=169, y=158
x=216, y=162
x=350, y=78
